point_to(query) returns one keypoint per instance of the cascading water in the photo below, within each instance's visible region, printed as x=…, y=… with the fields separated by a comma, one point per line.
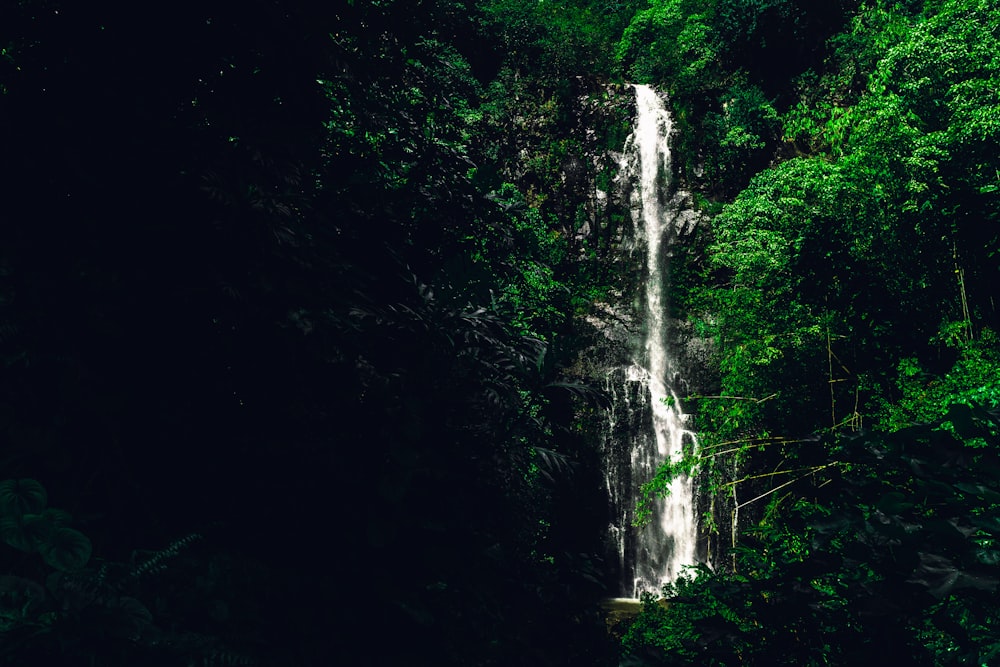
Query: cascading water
x=646, y=414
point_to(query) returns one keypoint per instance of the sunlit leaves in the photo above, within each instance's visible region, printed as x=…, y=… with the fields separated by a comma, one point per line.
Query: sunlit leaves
x=671, y=44
x=901, y=209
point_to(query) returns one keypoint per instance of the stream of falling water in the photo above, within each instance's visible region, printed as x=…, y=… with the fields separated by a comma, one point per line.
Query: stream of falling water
x=661, y=548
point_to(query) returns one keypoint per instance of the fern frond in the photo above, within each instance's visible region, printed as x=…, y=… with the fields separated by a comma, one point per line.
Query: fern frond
x=226, y=659
x=552, y=463
x=156, y=562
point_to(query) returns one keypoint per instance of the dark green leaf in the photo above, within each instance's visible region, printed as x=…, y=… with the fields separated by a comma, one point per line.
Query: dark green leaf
x=67, y=549
x=22, y=496
x=894, y=502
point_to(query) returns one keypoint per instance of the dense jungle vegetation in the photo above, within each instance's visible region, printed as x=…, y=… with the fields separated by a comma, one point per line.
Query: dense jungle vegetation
x=289, y=293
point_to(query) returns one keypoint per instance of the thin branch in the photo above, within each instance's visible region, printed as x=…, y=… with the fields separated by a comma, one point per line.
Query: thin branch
x=829, y=361
x=791, y=481
x=748, y=443
x=850, y=420
x=697, y=397
x=730, y=451
x=754, y=442
x=960, y=273
x=839, y=361
x=810, y=469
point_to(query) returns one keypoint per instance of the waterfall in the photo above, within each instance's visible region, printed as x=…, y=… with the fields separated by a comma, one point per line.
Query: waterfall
x=648, y=426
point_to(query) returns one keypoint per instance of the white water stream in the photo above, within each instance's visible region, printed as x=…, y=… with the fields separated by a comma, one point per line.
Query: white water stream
x=660, y=549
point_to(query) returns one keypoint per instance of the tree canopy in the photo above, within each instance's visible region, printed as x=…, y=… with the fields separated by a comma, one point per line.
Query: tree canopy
x=847, y=284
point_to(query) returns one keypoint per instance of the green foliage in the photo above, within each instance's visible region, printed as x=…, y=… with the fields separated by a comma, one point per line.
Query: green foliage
x=672, y=628
x=727, y=67
x=76, y=612
x=77, y=615
x=559, y=39
x=543, y=144
x=776, y=39
x=22, y=496
x=671, y=43
x=28, y=525
x=744, y=130
x=973, y=380
x=519, y=259
x=827, y=267
x=793, y=264
x=749, y=119
x=893, y=555
x=847, y=287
